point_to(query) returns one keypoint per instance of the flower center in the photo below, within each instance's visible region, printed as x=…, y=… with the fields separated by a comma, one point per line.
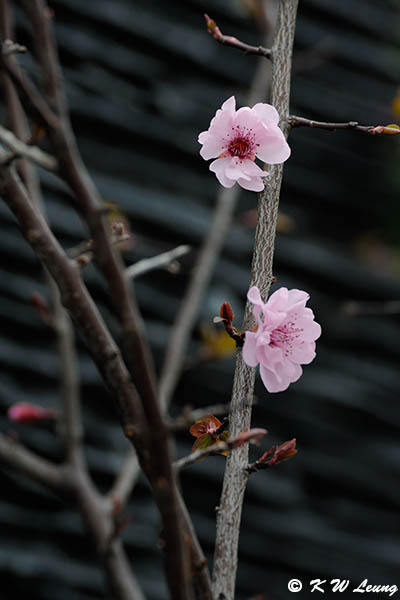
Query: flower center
x=240, y=147
x=286, y=337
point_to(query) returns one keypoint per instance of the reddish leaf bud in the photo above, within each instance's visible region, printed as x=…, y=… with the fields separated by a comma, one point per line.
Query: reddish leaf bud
x=24, y=412
x=226, y=312
x=280, y=453
x=207, y=424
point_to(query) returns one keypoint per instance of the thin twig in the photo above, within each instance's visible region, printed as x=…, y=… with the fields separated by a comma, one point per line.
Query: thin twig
x=359, y=307
x=229, y=515
x=127, y=474
x=156, y=262
x=233, y=42
x=16, y=457
x=233, y=443
x=84, y=252
x=33, y=153
x=294, y=121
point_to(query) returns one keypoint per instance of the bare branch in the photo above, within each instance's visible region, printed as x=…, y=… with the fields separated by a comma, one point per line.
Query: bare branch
x=74, y=483
x=18, y=458
x=294, y=121
x=233, y=42
x=34, y=103
x=84, y=252
x=358, y=307
x=229, y=515
x=126, y=478
x=34, y=154
x=156, y=262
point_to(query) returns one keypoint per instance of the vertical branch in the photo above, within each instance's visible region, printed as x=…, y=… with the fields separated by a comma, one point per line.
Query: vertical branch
x=230, y=506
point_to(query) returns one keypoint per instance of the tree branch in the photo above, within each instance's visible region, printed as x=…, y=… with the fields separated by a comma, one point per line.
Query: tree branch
x=294, y=121
x=72, y=483
x=228, y=40
x=20, y=149
x=156, y=262
x=231, y=444
x=229, y=515
x=18, y=458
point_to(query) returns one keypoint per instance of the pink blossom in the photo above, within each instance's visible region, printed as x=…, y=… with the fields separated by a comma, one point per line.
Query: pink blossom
x=283, y=339
x=236, y=137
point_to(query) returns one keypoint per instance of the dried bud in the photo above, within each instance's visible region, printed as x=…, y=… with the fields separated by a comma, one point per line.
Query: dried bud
x=25, y=412
x=226, y=312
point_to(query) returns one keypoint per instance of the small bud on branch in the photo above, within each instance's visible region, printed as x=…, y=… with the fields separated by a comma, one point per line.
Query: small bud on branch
x=274, y=456
x=229, y=40
x=226, y=317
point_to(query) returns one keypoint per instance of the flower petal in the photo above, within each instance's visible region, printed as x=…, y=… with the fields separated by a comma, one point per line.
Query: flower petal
x=249, y=349
x=273, y=148
x=278, y=300
x=213, y=146
x=272, y=381
x=269, y=355
x=255, y=184
x=254, y=296
x=229, y=105
x=266, y=112
x=235, y=169
x=218, y=167
x=250, y=168
x=296, y=298
x=303, y=354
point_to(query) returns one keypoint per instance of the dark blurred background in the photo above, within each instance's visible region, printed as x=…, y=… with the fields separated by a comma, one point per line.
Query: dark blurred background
x=143, y=79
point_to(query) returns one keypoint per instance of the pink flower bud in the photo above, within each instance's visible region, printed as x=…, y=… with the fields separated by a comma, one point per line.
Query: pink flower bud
x=25, y=412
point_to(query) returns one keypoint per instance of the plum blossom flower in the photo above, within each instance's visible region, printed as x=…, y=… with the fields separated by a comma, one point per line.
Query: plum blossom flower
x=237, y=137
x=283, y=339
